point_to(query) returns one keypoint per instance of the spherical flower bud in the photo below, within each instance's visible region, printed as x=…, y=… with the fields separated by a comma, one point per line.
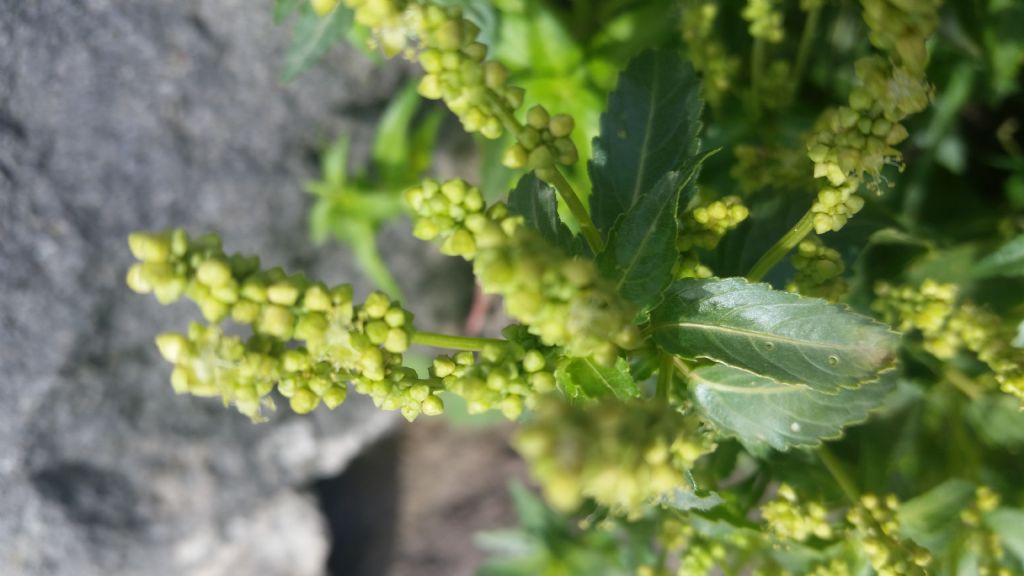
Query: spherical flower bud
x=304, y=401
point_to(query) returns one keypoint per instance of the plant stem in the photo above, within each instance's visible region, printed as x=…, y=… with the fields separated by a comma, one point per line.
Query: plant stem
x=577, y=208
x=454, y=342
x=806, y=42
x=777, y=252
x=756, y=67
x=555, y=178
x=665, y=372
x=839, y=473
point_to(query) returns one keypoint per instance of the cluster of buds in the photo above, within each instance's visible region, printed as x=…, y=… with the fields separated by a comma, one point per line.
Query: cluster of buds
x=560, y=299
x=624, y=455
x=384, y=18
x=986, y=335
x=899, y=28
x=338, y=340
x=765, y=20
x=443, y=210
x=947, y=329
x=789, y=519
x=706, y=50
x=457, y=72
x=875, y=523
x=543, y=141
x=859, y=139
x=835, y=205
x=506, y=376
x=926, y=308
x=983, y=541
x=761, y=168
x=209, y=363
x=703, y=227
x=819, y=271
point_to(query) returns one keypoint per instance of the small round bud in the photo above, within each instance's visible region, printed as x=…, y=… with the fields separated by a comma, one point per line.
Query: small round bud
x=432, y=405
x=537, y=117
x=561, y=125
x=304, y=401
x=214, y=273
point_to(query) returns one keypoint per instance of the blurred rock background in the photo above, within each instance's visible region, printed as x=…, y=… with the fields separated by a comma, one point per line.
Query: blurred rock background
x=117, y=115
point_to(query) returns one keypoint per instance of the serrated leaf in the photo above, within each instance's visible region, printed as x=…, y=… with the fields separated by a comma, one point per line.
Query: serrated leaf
x=1008, y=260
x=650, y=129
x=778, y=335
x=535, y=201
x=584, y=378
x=641, y=249
x=761, y=412
x=313, y=36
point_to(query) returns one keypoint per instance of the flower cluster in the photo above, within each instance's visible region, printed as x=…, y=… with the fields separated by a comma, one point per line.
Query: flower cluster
x=209, y=363
x=789, y=519
x=544, y=140
x=776, y=167
x=765, y=20
x=985, y=543
x=560, y=299
x=875, y=523
x=859, y=139
x=819, y=271
x=947, y=329
x=337, y=340
x=706, y=50
x=506, y=376
x=457, y=71
x=835, y=205
x=624, y=455
x=704, y=226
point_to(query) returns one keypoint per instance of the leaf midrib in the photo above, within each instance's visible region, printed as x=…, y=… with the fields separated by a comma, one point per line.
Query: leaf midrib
x=759, y=335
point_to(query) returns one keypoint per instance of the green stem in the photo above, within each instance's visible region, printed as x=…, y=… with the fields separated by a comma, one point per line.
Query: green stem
x=839, y=473
x=665, y=372
x=555, y=178
x=806, y=42
x=777, y=252
x=454, y=342
x=756, y=68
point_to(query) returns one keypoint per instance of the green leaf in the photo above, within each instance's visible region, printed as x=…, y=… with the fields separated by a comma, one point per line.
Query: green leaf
x=933, y=518
x=761, y=412
x=1006, y=261
x=641, y=249
x=583, y=378
x=1007, y=522
x=423, y=139
x=774, y=334
x=651, y=128
x=535, y=201
x=313, y=36
x=997, y=419
x=334, y=162
x=283, y=8
x=391, y=148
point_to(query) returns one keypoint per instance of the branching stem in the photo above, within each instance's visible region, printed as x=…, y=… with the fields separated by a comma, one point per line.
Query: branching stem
x=777, y=252
x=665, y=373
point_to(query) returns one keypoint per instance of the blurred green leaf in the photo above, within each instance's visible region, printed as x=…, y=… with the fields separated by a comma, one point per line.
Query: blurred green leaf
x=313, y=36
x=392, y=147
x=1008, y=260
x=584, y=378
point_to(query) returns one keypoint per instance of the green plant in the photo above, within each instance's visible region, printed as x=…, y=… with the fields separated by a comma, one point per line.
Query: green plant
x=693, y=416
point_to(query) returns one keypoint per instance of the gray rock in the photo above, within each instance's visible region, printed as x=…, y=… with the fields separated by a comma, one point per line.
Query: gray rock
x=117, y=115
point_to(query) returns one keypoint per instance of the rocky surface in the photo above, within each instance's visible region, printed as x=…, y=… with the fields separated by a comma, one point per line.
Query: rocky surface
x=124, y=114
